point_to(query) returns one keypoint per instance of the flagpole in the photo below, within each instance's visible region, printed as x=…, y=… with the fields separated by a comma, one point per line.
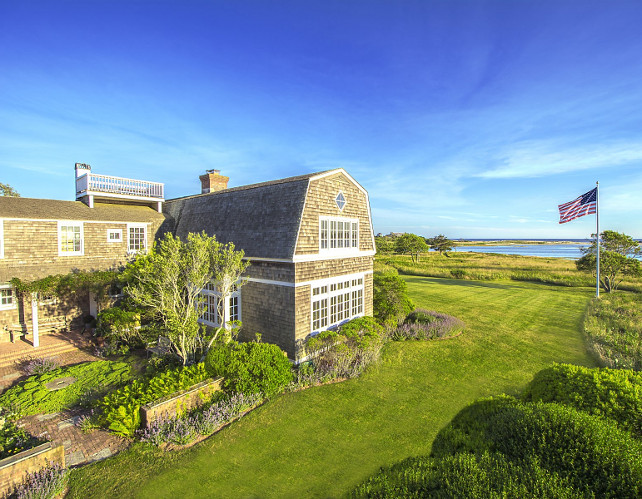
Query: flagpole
x=597, y=221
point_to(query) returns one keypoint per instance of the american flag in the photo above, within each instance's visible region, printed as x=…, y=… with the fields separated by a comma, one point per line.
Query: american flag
x=586, y=204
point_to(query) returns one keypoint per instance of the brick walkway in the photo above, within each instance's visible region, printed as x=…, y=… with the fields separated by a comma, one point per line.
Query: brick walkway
x=80, y=448
x=60, y=428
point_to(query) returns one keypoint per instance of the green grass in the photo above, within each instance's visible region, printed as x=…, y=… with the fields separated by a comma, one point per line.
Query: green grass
x=323, y=441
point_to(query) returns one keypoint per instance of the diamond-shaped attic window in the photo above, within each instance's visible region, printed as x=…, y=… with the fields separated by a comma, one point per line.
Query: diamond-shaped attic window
x=340, y=200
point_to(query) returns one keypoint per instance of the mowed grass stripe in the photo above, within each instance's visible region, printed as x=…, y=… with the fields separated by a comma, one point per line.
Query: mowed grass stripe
x=322, y=441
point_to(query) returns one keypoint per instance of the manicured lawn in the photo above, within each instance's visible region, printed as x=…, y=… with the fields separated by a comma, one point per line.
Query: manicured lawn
x=323, y=441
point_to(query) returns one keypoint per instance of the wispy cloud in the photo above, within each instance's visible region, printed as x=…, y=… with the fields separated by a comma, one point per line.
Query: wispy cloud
x=538, y=159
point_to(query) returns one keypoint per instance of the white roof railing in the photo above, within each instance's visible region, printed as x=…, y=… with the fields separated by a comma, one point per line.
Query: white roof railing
x=93, y=184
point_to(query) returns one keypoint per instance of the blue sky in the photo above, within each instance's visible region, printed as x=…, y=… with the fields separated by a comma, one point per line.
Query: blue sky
x=467, y=118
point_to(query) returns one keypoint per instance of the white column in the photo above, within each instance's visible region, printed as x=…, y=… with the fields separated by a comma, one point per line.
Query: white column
x=159, y=206
x=34, y=319
x=93, y=305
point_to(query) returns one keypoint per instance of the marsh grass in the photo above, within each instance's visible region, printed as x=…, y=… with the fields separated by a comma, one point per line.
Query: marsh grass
x=613, y=326
x=496, y=267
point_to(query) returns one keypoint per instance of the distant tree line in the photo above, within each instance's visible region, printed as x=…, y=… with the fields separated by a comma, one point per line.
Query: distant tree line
x=413, y=245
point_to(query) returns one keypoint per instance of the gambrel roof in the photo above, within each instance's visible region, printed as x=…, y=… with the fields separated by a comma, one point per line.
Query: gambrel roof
x=261, y=219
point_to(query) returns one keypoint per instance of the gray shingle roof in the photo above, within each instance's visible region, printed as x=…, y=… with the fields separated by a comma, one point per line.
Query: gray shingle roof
x=52, y=209
x=261, y=219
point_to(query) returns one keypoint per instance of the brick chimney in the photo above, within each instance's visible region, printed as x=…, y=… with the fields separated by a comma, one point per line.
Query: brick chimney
x=213, y=181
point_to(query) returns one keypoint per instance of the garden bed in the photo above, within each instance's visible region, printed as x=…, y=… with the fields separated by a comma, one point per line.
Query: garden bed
x=13, y=469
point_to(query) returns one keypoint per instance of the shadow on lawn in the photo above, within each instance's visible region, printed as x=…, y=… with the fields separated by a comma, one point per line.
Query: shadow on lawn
x=465, y=283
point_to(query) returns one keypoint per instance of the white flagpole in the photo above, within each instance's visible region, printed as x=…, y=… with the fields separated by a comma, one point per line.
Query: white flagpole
x=597, y=219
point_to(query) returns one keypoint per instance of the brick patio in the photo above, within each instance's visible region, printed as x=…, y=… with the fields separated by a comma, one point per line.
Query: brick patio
x=66, y=349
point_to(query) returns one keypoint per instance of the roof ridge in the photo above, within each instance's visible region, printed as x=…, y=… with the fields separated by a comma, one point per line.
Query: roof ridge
x=267, y=183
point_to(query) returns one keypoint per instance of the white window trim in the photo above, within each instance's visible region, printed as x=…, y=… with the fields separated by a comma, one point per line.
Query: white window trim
x=115, y=231
x=44, y=300
x=349, y=251
x=226, y=304
x=345, y=200
x=136, y=226
x=69, y=223
x=13, y=304
x=329, y=294
x=1, y=238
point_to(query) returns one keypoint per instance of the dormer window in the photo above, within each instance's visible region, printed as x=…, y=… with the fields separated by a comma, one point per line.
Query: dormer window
x=338, y=234
x=340, y=200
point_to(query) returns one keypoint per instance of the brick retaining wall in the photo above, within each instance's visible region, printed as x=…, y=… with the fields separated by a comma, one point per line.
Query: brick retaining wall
x=13, y=469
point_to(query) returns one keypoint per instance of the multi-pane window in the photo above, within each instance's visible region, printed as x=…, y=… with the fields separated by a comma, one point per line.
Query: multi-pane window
x=136, y=238
x=234, y=308
x=336, y=302
x=70, y=238
x=114, y=235
x=214, y=304
x=7, y=297
x=338, y=233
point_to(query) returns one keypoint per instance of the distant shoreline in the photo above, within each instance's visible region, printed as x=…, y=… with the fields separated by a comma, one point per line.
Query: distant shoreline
x=508, y=242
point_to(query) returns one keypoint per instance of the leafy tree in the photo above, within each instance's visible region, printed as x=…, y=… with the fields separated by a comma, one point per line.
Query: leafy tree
x=167, y=281
x=617, y=259
x=411, y=243
x=390, y=298
x=385, y=245
x=440, y=243
x=7, y=190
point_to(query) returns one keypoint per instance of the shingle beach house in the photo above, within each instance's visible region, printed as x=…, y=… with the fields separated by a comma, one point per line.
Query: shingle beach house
x=309, y=239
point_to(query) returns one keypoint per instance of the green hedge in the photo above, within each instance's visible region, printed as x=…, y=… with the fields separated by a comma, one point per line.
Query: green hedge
x=612, y=393
x=363, y=331
x=121, y=408
x=466, y=476
x=250, y=367
x=32, y=397
x=591, y=453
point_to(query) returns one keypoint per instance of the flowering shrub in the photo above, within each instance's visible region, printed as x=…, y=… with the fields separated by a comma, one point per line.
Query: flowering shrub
x=427, y=325
x=30, y=366
x=183, y=430
x=44, y=484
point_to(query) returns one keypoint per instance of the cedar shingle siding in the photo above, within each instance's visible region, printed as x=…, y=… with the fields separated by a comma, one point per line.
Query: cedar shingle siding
x=275, y=223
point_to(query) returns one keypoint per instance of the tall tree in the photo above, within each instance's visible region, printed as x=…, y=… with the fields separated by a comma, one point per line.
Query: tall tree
x=440, y=243
x=618, y=254
x=7, y=190
x=412, y=244
x=384, y=244
x=168, y=281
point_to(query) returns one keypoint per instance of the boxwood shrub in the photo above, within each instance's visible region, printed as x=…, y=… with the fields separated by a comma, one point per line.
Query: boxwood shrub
x=31, y=396
x=596, y=457
x=251, y=367
x=466, y=475
x=120, y=410
x=612, y=393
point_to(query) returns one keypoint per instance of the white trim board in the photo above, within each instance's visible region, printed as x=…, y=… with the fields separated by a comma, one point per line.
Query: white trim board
x=70, y=220
x=290, y=284
x=313, y=258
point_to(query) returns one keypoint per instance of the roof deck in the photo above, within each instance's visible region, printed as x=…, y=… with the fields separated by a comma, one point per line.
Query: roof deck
x=91, y=186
